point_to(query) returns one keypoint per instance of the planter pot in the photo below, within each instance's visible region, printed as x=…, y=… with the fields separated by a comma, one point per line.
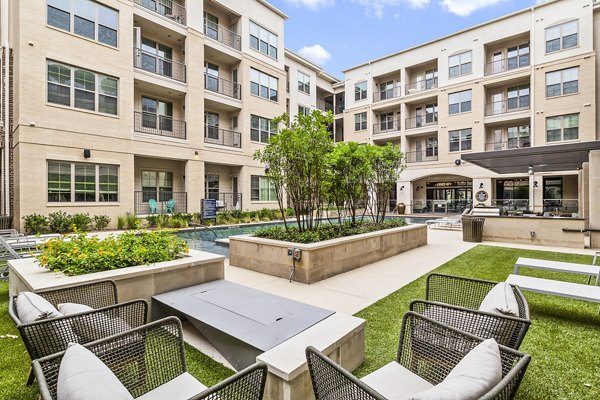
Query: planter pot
x=324, y=259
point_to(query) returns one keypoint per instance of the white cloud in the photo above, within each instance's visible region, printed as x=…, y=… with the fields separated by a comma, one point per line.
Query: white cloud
x=418, y=3
x=377, y=7
x=464, y=8
x=312, y=4
x=316, y=54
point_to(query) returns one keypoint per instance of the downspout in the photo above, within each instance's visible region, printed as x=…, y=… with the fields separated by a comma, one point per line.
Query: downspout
x=6, y=107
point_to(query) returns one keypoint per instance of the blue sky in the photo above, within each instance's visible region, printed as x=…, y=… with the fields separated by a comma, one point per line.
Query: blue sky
x=354, y=31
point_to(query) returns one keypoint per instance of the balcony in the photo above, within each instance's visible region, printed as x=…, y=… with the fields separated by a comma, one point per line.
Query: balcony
x=421, y=156
x=166, y=8
x=324, y=106
x=422, y=120
x=386, y=126
x=222, y=86
x=506, y=64
x=147, y=61
x=150, y=202
x=159, y=125
x=222, y=34
x=227, y=201
x=339, y=108
x=387, y=94
x=516, y=143
x=507, y=106
x=223, y=137
x=421, y=86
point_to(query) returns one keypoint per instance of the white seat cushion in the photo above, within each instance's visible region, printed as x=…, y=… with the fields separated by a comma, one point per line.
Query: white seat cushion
x=395, y=382
x=98, y=327
x=476, y=374
x=33, y=307
x=181, y=388
x=72, y=308
x=500, y=300
x=83, y=376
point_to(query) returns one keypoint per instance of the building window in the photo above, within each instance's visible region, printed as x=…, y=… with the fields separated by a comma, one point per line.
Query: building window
x=562, y=127
x=360, y=91
x=261, y=129
x=303, y=110
x=263, y=40
x=303, y=83
x=263, y=85
x=157, y=185
x=459, y=102
x=431, y=79
x=460, y=140
x=459, y=64
x=90, y=19
x=562, y=82
x=360, y=121
x=82, y=183
x=261, y=189
x=517, y=97
x=431, y=147
x=518, y=136
x=211, y=186
x=562, y=36
x=518, y=56
x=79, y=88
x=157, y=114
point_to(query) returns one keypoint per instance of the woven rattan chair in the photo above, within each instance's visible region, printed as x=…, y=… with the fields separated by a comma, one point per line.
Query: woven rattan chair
x=432, y=363
x=163, y=350
x=50, y=336
x=455, y=300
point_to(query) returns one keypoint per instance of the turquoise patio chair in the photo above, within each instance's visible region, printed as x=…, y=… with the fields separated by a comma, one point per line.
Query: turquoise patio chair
x=170, y=206
x=152, y=205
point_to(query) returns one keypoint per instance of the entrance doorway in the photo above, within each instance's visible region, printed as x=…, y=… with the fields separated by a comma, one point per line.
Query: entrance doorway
x=450, y=197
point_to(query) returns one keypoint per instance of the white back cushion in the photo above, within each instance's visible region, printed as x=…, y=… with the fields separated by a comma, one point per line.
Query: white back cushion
x=501, y=300
x=33, y=307
x=73, y=308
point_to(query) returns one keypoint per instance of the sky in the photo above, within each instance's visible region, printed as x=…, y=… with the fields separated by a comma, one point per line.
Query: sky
x=339, y=34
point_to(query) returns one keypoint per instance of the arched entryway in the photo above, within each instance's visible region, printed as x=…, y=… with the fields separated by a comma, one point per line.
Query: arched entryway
x=442, y=194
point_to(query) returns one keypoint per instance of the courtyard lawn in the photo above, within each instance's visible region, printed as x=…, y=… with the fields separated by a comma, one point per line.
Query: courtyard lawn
x=563, y=340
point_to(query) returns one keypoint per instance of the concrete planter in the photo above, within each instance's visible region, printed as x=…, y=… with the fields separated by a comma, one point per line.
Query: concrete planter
x=324, y=259
x=139, y=282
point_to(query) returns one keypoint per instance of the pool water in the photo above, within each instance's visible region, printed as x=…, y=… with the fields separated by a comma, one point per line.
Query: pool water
x=205, y=239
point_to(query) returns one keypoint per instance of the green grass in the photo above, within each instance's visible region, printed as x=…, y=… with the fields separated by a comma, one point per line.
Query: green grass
x=563, y=340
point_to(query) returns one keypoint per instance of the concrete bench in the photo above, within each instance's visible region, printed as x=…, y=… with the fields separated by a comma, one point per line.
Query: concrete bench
x=558, y=266
x=571, y=290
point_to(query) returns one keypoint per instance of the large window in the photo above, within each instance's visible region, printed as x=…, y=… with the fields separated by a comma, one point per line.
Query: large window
x=303, y=83
x=431, y=147
x=460, y=140
x=89, y=19
x=518, y=56
x=261, y=189
x=562, y=82
x=263, y=40
x=303, y=110
x=562, y=127
x=459, y=64
x=79, y=88
x=261, y=129
x=360, y=121
x=459, y=102
x=518, y=136
x=517, y=97
x=82, y=183
x=360, y=91
x=563, y=36
x=157, y=185
x=263, y=85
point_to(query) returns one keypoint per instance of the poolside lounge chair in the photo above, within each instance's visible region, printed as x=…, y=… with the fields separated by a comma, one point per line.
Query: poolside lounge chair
x=152, y=206
x=107, y=317
x=456, y=301
x=452, y=222
x=419, y=367
x=163, y=376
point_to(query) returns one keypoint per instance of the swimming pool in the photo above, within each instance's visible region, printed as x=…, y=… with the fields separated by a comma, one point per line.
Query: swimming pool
x=205, y=239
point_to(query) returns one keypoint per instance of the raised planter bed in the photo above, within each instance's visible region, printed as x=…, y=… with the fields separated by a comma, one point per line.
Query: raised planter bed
x=324, y=259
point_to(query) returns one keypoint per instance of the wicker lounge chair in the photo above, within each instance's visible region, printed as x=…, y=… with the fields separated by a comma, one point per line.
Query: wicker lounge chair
x=52, y=335
x=164, y=374
x=416, y=361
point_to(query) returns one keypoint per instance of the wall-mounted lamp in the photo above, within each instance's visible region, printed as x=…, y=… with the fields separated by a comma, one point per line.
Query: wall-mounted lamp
x=196, y=155
x=530, y=170
x=87, y=153
x=535, y=184
x=419, y=188
x=481, y=185
x=402, y=188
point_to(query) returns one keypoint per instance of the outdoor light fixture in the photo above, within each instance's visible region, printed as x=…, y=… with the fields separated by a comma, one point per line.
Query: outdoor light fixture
x=87, y=153
x=402, y=188
x=535, y=183
x=530, y=170
x=481, y=185
x=196, y=155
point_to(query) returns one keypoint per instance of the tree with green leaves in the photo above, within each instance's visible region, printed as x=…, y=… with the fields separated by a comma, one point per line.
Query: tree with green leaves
x=386, y=166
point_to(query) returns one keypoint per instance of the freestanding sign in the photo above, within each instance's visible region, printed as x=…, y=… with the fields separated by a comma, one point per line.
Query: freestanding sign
x=209, y=209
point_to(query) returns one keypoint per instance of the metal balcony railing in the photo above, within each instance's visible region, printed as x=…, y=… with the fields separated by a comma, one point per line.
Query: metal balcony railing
x=222, y=34
x=324, y=105
x=559, y=207
x=506, y=64
x=515, y=143
x=421, y=86
x=166, y=8
x=381, y=95
x=387, y=126
x=430, y=206
x=224, y=137
x=507, y=205
x=159, y=125
x=227, y=201
x=421, y=156
x=149, y=202
x=222, y=86
x=158, y=65
x=507, y=106
x=421, y=120
x=339, y=108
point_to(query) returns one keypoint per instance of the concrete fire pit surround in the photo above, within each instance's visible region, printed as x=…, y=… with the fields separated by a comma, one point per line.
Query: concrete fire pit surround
x=323, y=259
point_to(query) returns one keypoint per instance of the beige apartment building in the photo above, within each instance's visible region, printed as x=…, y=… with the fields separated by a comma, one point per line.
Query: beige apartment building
x=144, y=106
x=523, y=81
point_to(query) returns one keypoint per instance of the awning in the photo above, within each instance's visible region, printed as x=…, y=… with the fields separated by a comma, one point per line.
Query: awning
x=559, y=157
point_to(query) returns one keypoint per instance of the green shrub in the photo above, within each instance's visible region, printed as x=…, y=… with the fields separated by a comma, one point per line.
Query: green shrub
x=121, y=222
x=178, y=222
x=132, y=222
x=101, y=221
x=197, y=218
x=82, y=254
x=59, y=222
x=184, y=216
x=36, y=224
x=82, y=222
x=152, y=220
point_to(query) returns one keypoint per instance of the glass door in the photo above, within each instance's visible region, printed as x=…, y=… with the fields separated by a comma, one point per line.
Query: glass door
x=211, y=186
x=496, y=62
x=211, y=120
x=211, y=26
x=212, y=77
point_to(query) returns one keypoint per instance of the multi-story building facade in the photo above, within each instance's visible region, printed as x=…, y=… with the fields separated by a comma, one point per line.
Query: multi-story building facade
x=524, y=80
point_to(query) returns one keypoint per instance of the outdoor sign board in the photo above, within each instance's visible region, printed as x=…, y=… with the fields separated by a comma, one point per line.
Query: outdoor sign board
x=209, y=208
